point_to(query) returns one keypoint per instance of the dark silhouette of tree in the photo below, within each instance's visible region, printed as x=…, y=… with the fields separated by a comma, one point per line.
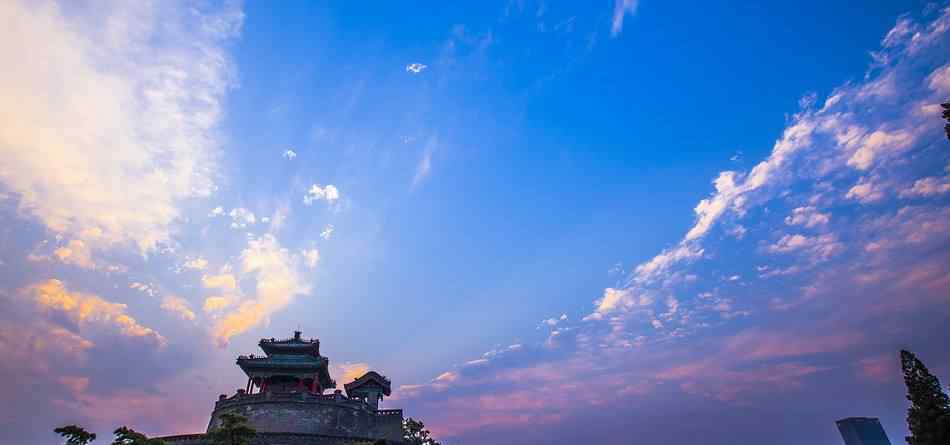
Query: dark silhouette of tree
x=127, y=436
x=946, y=115
x=414, y=432
x=75, y=434
x=928, y=417
x=233, y=430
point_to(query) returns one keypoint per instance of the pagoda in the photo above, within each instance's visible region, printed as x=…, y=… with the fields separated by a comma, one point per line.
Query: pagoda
x=293, y=364
x=284, y=400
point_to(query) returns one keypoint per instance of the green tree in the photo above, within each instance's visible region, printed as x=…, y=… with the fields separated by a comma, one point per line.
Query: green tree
x=414, y=432
x=127, y=436
x=75, y=434
x=233, y=430
x=946, y=115
x=928, y=417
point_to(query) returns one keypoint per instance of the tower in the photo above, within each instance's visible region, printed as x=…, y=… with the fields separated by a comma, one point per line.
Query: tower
x=284, y=400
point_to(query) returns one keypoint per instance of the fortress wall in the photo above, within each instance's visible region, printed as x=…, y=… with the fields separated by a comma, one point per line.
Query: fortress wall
x=314, y=417
x=274, y=439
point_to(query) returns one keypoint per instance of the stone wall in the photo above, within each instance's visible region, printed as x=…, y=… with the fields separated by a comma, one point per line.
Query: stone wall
x=311, y=415
x=276, y=439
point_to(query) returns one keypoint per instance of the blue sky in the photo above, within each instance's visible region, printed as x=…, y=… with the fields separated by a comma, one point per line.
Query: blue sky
x=704, y=215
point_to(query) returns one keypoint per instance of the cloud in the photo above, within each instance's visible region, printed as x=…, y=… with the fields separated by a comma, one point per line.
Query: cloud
x=423, y=168
x=310, y=257
x=87, y=309
x=196, y=264
x=866, y=191
x=241, y=218
x=224, y=281
x=327, y=231
x=927, y=187
x=124, y=129
x=807, y=216
x=621, y=9
x=415, y=68
x=143, y=287
x=880, y=265
x=316, y=193
x=278, y=282
x=347, y=372
x=821, y=247
x=213, y=304
x=217, y=211
x=877, y=144
x=178, y=306
x=290, y=154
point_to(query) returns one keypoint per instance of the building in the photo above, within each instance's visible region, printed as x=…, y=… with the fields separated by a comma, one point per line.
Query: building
x=862, y=431
x=284, y=399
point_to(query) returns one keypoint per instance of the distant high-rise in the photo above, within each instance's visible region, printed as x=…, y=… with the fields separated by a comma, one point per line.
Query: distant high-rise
x=862, y=431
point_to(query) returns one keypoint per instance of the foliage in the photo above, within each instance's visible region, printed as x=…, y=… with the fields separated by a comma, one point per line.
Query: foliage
x=127, y=436
x=946, y=115
x=928, y=417
x=75, y=434
x=233, y=430
x=414, y=432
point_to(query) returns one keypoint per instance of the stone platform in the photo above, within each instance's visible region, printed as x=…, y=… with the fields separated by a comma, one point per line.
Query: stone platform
x=304, y=413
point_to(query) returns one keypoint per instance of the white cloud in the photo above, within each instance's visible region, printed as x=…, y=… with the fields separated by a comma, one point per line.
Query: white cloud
x=217, y=211
x=926, y=187
x=290, y=154
x=241, y=218
x=939, y=80
x=327, y=231
x=820, y=247
x=178, y=306
x=621, y=9
x=415, y=68
x=87, y=309
x=422, y=168
x=316, y=193
x=878, y=143
x=310, y=257
x=144, y=287
x=278, y=282
x=866, y=191
x=807, y=216
x=122, y=131
x=196, y=264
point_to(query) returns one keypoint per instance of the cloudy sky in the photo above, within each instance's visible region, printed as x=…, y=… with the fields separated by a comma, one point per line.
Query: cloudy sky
x=547, y=222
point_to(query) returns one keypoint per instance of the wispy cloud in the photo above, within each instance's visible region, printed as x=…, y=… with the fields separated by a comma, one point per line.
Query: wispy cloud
x=621, y=9
x=124, y=134
x=415, y=68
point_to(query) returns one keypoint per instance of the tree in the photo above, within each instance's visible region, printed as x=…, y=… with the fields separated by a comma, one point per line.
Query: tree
x=946, y=115
x=127, y=436
x=414, y=432
x=928, y=417
x=233, y=430
x=75, y=434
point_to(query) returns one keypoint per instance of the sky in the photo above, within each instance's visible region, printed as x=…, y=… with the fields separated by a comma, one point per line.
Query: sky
x=546, y=222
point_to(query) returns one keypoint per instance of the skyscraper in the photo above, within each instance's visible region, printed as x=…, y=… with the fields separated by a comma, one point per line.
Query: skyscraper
x=862, y=431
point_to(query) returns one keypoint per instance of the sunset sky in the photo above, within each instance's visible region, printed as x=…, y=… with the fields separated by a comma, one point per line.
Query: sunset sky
x=612, y=221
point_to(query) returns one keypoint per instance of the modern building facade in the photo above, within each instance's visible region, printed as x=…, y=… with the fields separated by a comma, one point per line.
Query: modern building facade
x=862, y=431
x=284, y=399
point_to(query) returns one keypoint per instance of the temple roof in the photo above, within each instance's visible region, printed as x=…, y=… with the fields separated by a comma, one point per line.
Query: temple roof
x=288, y=357
x=295, y=346
x=369, y=379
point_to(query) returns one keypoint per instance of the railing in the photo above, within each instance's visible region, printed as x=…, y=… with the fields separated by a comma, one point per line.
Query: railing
x=389, y=412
